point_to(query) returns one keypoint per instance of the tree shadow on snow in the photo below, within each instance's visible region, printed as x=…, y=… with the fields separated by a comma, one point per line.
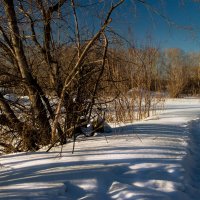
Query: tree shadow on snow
x=91, y=173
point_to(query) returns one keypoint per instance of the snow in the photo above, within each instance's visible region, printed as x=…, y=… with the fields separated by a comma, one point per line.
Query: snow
x=157, y=158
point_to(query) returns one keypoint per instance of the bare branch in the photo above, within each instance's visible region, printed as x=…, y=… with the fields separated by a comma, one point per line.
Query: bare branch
x=76, y=27
x=75, y=70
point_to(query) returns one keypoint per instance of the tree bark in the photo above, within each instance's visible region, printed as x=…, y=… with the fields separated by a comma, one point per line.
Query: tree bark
x=30, y=82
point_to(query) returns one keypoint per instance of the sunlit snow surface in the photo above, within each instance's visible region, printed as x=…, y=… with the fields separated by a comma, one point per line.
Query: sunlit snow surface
x=155, y=159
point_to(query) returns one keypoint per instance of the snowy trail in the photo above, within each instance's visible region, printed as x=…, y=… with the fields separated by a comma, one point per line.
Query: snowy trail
x=192, y=160
x=163, y=163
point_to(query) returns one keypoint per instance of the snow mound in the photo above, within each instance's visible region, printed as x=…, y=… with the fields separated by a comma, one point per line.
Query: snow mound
x=121, y=191
x=34, y=190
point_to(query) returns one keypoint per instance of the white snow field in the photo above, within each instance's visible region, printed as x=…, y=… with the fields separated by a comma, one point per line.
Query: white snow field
x=158, y=158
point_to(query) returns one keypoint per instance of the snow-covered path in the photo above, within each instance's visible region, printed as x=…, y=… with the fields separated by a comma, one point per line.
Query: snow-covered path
x=153, y=159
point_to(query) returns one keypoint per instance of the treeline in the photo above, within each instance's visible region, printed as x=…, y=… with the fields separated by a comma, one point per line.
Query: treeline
x=170, y=71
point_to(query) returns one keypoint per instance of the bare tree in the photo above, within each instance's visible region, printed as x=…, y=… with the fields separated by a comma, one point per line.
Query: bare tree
x=60, y=74
x=177, y=72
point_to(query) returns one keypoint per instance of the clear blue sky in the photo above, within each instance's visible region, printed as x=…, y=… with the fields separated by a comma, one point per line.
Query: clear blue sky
x=135, y=22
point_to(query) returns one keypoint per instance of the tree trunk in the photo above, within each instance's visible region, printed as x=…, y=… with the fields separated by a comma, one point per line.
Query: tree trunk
x=30, y=83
